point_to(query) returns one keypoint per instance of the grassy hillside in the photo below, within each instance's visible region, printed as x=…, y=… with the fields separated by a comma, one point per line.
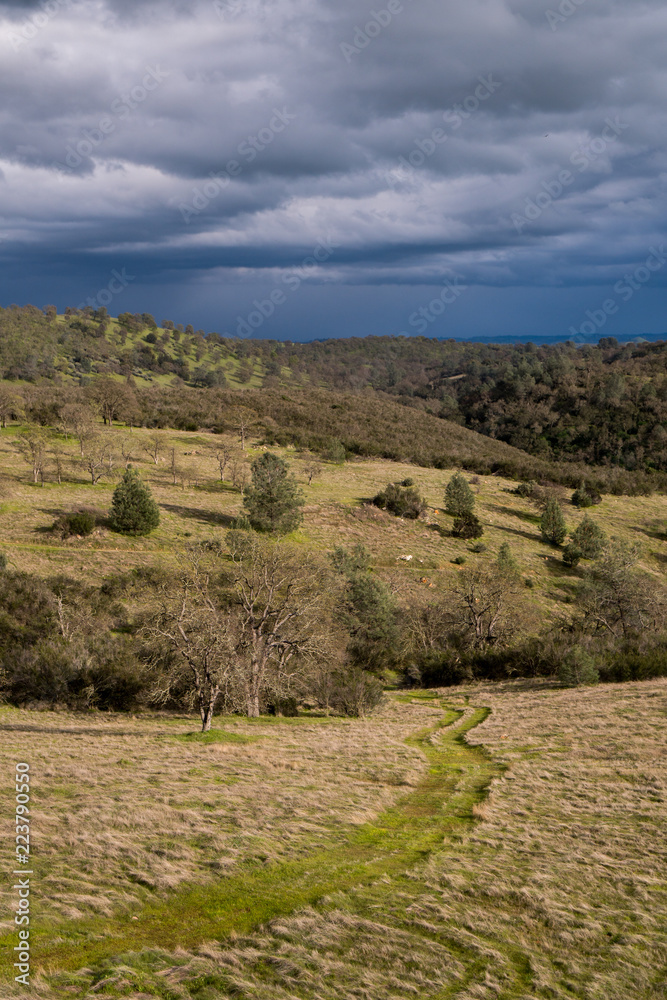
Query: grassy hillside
x=508, y=846
x=603, y=405
x=200, y=507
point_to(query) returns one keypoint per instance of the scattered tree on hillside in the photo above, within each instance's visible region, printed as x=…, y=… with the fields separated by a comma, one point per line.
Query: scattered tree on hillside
x=242, y=419
x=273, y=502
x=312, y=470
x=58, y=457
x=133, y=510
x=459, y=498
x=97, y=456
x=587, y=542
x=126, y=449
x=239, y=474
x=552, y=523
x=223, y=453
x=368, y=612
x=10, y=405
x=153, y=446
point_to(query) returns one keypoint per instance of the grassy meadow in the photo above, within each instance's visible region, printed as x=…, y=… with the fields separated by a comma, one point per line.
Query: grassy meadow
x=501, y=841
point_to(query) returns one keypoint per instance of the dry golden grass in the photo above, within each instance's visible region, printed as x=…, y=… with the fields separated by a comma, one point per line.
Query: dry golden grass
x=556, y=890
x=123, y=807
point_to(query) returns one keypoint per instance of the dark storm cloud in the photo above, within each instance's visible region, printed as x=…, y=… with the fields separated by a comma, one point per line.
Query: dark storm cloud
x=518, y=142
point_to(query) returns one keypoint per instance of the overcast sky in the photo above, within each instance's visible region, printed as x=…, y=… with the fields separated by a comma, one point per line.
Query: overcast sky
x=316, y=168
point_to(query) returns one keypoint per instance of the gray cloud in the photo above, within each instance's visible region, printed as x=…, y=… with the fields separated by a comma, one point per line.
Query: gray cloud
x=317, y=117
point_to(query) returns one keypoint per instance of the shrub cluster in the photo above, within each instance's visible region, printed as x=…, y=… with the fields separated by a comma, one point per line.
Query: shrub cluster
x=401, y=499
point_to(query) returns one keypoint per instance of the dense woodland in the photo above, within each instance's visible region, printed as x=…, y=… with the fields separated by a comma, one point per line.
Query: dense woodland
x=603, y=405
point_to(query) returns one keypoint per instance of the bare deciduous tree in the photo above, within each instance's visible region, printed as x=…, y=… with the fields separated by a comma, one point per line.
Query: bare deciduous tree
x=484, y=609
x=192, y=622
x=223, y=453
x=284, y=608
x=126, y=448
x=58, y=457
x=153, y=446
x=96, y=458
x=312, y=470
x=32, y=444
x=616, y=599
x=77, y=419
x=243, y=419
x=240, y=474
x=253, y=630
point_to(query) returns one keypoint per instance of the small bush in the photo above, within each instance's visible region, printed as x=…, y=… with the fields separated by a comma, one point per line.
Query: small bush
x=401, y=500
x=357, y=560
x=572, y=555
x=81, y=524
x=526, y=490
x=335, y=453
x=578, y=667
x=586, y=496
x=459, y=561
x=356, y=693
x=480, y=547
x=75, y=523
x=467, y=526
